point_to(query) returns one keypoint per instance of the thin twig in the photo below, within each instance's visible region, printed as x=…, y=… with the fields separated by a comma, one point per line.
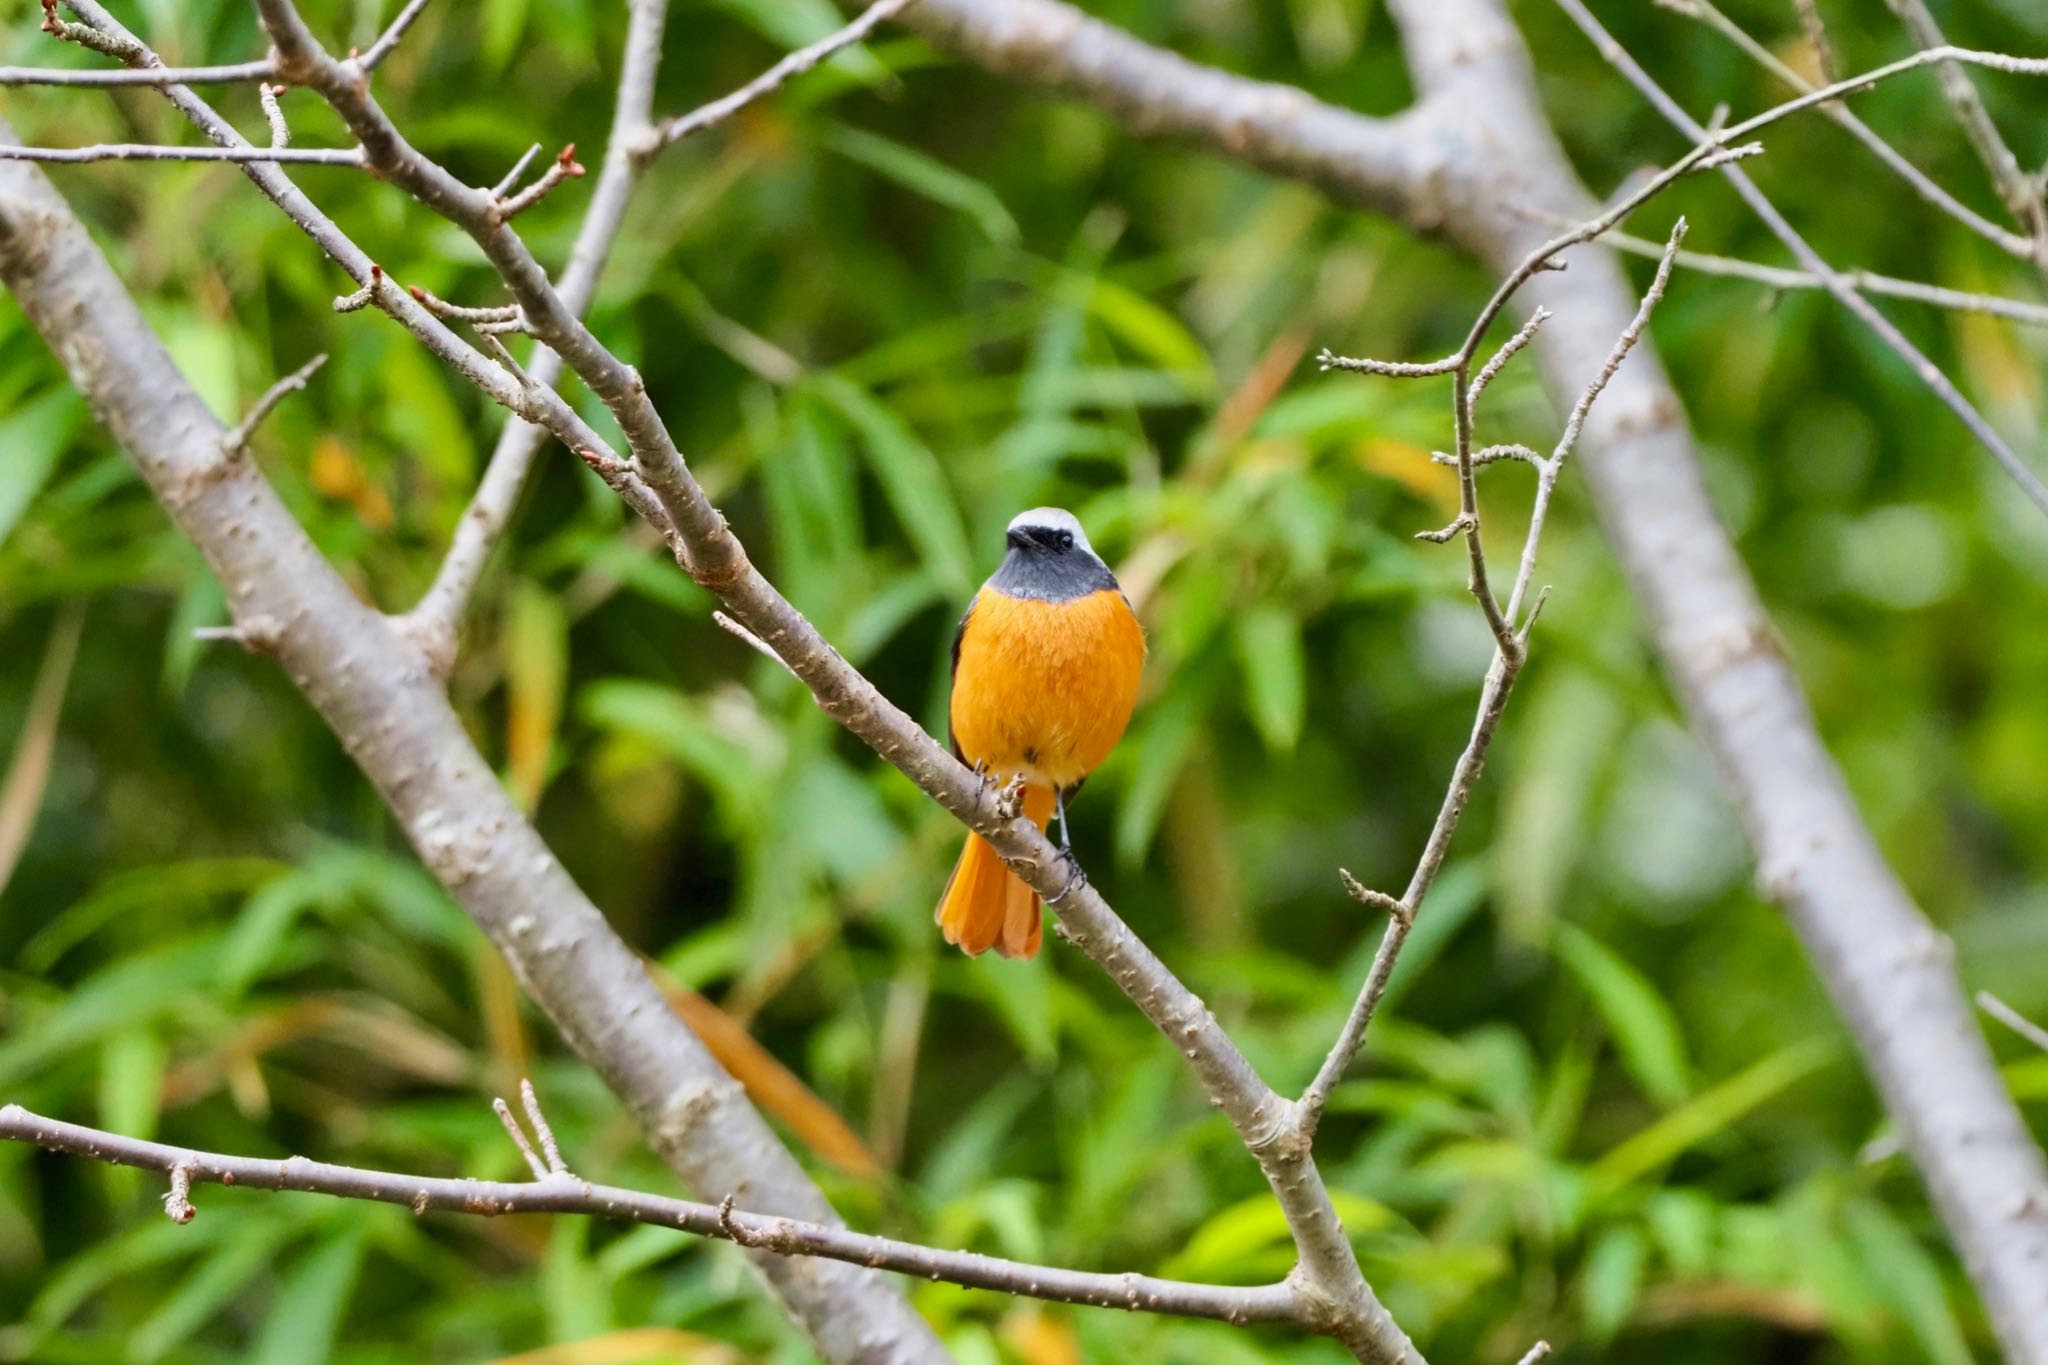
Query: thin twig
x=565, y=166
x=178, y=1200
x=388, y=41
x=518, y=1136
x=441, y=308
x=1868, y=282
x=2013, y=1019
x=1843, y=291
x=238, y=436
x=2022, y=194
x=143, y=151
x=1274, y=1303
x=273, y=113
x=1539, y=1352
x=513, y=176
x=234, y=73
x=675, y=129
x=530, y=1102
x=1501, y=674
x=1910, y=175
x=1817, y=38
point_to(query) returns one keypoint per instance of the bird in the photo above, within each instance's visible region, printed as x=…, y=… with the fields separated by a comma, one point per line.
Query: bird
x=1046, y=665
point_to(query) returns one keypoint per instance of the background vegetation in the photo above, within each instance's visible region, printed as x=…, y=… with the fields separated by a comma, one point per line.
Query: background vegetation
x=885, y=311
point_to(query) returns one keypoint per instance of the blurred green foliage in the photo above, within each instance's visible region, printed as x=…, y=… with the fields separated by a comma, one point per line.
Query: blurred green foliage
x=1607, y=1101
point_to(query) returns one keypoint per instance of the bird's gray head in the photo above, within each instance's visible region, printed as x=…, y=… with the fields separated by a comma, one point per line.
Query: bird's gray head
x=1050, y=558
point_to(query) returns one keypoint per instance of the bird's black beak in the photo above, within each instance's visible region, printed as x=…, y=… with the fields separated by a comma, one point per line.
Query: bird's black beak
x=1018, y=540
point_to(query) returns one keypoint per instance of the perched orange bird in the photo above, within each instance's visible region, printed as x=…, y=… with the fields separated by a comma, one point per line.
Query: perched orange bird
x=1045, y=672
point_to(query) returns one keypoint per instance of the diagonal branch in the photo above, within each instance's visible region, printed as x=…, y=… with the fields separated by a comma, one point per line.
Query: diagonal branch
x=1328, y=1273
x=675, y=129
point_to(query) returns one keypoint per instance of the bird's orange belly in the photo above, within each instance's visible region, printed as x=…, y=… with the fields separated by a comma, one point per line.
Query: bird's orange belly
x=1044, y=689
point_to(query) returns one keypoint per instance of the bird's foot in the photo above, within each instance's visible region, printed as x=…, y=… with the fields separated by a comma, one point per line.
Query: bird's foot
x=1076, y=878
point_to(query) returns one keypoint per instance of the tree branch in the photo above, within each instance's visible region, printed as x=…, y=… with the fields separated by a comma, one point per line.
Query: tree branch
x=392, y=718
x=2013, y=1019
x=671, y=130
x=2021, y=193
x=1780, y=277
x=1342, y=1303
x=143, y=151
x=555, y=1190
x=1480, y=126
x=1509, y=656
x=1910, y=175
x=435, y=620
x=1928, y=373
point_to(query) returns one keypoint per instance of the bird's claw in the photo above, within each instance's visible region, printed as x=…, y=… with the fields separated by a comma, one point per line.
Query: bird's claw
x=1076, y=878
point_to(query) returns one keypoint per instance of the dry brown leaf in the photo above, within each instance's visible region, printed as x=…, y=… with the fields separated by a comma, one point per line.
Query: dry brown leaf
x=770, y=1084
x=633, y=1346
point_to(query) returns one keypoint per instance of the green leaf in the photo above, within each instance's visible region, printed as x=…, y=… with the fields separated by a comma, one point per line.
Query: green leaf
x=1568, y=737
x=1223, y=1248
x=300, y=1328
x=201, y=1296
x=31, y=438
x=934, y=180
x=913, y=480
x=1611, y=1281
x=535, y=646
x=1152, y=331
x=1712, y=1111
x=1267, y=638
x=1643, y=1027
x=1917, y=1294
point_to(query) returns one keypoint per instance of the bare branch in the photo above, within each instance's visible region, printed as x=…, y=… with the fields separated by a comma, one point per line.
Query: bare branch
x=237, y=438
x=234, y=73
x=518, y=1136
x=369, y=686
x=795, y=64
x=273, y=113
x=1327, y=360
x=387, y=42
x=1500, y=676
x=441, y=308
x=555, y=1190
x=1868, y=282
x=435, y=619
x=1910, y=175
x=1539, y=1352
x=1493, y=367
x=2013, y=1019
x=518, y=171
x=142, y=151
x=1844, y=292
x=565, y=166
x=2022, y=195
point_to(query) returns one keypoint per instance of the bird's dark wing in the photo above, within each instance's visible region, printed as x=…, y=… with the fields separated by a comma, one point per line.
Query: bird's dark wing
x=959, y=634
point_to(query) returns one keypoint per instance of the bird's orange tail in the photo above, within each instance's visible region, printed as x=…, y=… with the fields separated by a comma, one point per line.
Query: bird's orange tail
x=988, y=906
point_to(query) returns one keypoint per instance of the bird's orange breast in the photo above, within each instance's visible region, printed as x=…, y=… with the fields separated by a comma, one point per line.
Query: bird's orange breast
x=1044, y=689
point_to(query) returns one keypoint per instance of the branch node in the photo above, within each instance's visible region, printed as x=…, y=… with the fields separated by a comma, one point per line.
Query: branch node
x=1462, y=523
x=364, y=297
x=1396, y=909
x=237, y=439
x=178, y=1202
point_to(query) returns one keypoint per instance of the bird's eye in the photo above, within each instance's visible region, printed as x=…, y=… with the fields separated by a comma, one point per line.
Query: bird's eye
x=1065, y=540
